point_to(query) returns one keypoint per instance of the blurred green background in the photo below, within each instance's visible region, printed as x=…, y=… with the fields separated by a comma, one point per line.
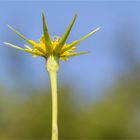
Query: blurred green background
x=99, y=93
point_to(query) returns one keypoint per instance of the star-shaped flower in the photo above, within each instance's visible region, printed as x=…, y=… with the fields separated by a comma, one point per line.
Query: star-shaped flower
x=55, y=46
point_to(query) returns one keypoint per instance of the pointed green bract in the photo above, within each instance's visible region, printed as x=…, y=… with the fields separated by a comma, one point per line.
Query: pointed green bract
x=24, y=38
x=26, y=46
x=80, y=40
x=46, y=35
x=29, y=50
x=65, y=36
x=19, y=48
x=77, y=54
x=14, y=46
x=88, y=35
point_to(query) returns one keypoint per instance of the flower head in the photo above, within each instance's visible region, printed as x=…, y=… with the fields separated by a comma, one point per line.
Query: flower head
x=55, y=46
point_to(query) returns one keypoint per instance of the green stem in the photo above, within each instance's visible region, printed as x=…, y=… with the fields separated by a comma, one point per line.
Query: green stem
x=53, y=78
x=52, y=67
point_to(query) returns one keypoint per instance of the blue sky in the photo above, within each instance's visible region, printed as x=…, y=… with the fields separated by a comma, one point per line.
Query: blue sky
x=119, y=20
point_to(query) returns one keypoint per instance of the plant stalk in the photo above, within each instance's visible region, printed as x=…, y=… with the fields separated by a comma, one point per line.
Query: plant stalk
x=52, y=67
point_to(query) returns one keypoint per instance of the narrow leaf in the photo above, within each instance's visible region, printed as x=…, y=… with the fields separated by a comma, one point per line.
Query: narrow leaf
x=28, y=47
x=14, y=46
x=88, y=35
x=24, y=38
x=77, y=54
x=80, y=40
x=65, y=35
x=29, y=50
x=46, y=35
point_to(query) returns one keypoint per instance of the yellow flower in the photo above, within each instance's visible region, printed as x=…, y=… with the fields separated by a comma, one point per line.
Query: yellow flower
x=55, y=46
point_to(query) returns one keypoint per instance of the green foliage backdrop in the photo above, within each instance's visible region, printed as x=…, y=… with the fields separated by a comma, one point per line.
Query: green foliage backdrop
x=115, y=115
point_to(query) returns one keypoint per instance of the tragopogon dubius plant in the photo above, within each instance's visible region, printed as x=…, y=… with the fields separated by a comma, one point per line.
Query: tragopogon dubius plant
x=53, y=50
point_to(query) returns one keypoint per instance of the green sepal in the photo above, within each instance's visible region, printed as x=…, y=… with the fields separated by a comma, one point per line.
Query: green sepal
x=77, y=54
x=26, y=46
x=14, y=46
x=88, y=35
x=19, y=48
x=80, y=40
x=29, y=50
x=46, y=35
x=65, y=35
x=20, y=35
